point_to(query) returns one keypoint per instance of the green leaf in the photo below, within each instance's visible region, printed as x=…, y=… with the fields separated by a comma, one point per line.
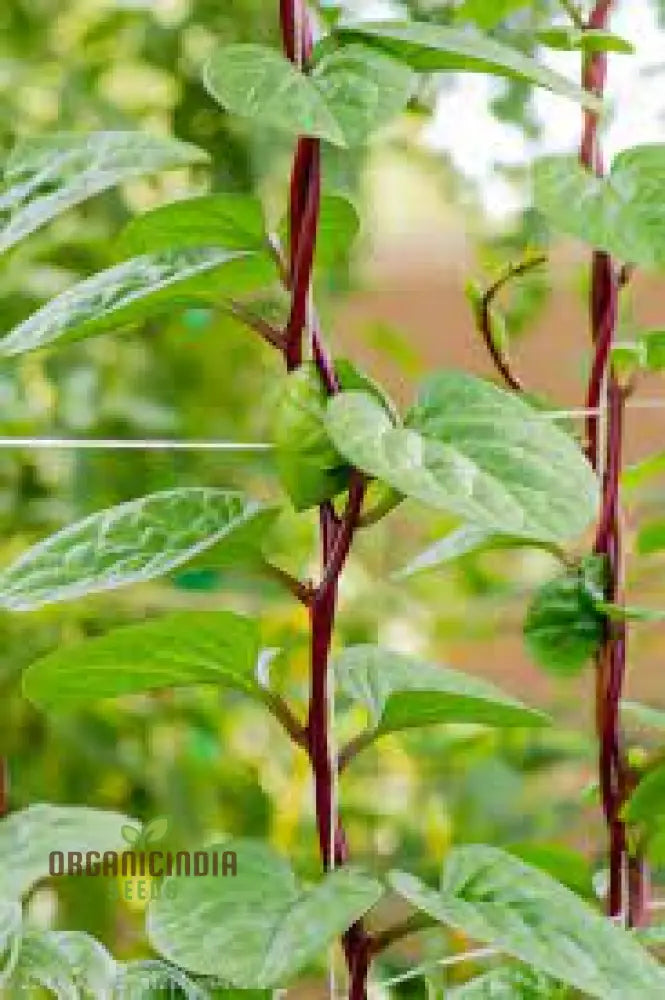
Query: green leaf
x=71, y=965
x=461, y=542
x=339, y=224
x=151, y=978
x=259, y=83
x=646, y=805
x=651, y=937
x=259, y=927
x=364, y=89
x=509, y=984
x=626, y=612
x=476, y=451
x=643, y=715
x=653, y=844
x=497, y=900
x=569, y=39
x=564, y=864
x=134, y=542
x=232, y=221
x=651, y=537
x=636, y=476
x=488, y=14
x=353, y=379
x=11, y=918
x=563, y=626
x=623, y=213
x=338, y=227
x=466, y=540
x=179, y=650
x=28, y=838
x=310, y=468
x=138, y=288
x=627, y=359
x=653, y=342
x=46, y=176
x=431, y=47
x=401, y=692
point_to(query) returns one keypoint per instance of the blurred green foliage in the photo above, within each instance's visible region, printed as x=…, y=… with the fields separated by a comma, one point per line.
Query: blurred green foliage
x=79, y=65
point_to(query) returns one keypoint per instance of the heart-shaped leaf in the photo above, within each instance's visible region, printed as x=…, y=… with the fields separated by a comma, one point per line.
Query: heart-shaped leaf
x=364, y=89
x=259, y=83
x=623, y=213
x=494, y=898
x=139, y=288
x=476, y=451
x=136, y=541
x=29, y=837
x=46, y=176
x=258, y=928
x=151, y=978
x=180, y=650
x=70, y=965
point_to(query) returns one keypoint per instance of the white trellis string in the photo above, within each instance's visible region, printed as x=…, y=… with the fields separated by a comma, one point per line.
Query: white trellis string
x=128, y=444
x=581, y=412
x=469, y=956
x=168, y=444
x=298, y=31
x=449, y=960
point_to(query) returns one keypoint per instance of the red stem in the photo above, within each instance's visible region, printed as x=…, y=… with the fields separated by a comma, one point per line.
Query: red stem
x=322, y=620
x=336, y=534
x=604, y=302
x=306, y=179
x=288, y=25
x=628, y=890
x=339, y=550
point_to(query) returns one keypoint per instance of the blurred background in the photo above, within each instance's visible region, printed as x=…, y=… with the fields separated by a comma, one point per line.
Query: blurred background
x=444, y=198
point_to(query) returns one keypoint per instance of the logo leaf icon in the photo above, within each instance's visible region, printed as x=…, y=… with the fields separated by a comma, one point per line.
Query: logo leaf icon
x=156, y=829
x=130, y=834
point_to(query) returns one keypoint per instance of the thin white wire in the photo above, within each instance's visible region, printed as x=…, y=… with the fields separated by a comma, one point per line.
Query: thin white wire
x=299, y=40
x=598, y=411
x=449, y=960
x=143, y=444
x=168, y=444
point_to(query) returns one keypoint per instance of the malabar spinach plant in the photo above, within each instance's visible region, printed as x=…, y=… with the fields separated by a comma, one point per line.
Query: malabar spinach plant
x=490, y=455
